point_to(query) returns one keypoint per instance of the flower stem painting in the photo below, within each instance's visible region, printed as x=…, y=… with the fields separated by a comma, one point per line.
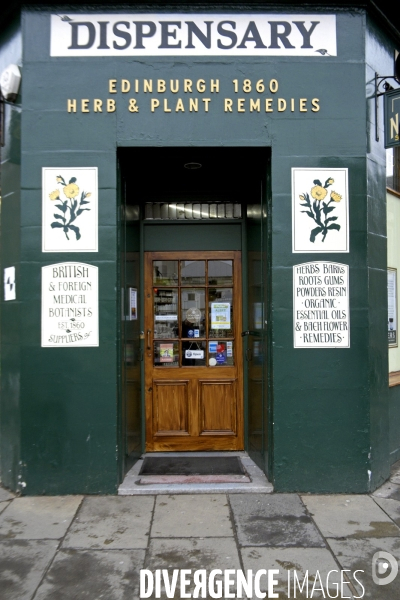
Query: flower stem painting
x=69, y=208
x=320, y=210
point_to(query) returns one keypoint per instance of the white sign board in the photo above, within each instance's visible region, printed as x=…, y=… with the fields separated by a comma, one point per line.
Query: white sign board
x=321, y=316
x=70, y=305
x=69, y=209
x=178, y=34
x=9, y=284
x=320, y=210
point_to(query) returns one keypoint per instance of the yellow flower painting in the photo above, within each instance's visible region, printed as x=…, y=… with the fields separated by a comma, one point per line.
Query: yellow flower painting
x=70, y=208
x=319, y=210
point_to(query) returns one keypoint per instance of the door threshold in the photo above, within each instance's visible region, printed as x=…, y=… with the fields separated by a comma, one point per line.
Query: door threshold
x=138, y=485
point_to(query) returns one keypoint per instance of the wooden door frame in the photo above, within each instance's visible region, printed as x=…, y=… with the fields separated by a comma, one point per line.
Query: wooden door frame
x=221, y=373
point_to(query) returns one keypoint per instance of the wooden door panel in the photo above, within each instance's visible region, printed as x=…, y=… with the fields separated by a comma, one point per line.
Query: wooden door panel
x=170, y=407
x=192, y=406
x=217, y=407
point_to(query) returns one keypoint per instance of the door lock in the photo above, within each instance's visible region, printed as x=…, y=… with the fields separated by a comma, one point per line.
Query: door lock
x=148, y=339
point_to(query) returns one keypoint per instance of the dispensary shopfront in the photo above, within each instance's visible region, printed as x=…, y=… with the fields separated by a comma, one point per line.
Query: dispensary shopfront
x=193, y=244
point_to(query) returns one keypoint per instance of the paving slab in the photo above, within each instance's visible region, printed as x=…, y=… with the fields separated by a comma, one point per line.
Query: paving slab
x=278, y=520
x=388, y=490
x=350, y=516
x=357, y=554
x=22, y=566
x=111, y=522
x=192, y=516
x=3, y=506
x=391, y=508
x=38, y=518
x=293, y=564
x=92, y=575
x=5, y=495
x=193, y=554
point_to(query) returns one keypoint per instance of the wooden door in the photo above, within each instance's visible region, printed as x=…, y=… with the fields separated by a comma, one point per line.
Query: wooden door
x=193, y=351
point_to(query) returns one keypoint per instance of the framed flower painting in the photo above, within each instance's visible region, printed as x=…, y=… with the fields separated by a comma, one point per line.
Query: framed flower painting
x=69, y=209
x=320, y=210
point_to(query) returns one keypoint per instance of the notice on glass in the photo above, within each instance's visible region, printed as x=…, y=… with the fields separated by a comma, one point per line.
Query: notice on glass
x=392, y=306
x=220, y=315
x=166, y=353
x=132, y=304
x=70, y=305
x=321, y=315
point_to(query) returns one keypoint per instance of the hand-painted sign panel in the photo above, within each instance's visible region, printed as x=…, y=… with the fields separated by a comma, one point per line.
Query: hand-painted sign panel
x=191, y=34
x=392, y=111
x=392, y=306
x=70, y=305
x=320, y=210
x=321, y=316
x=69, y=209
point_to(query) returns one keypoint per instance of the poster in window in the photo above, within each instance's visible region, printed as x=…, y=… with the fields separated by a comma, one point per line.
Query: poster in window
x=392, y=307
x=220, y=315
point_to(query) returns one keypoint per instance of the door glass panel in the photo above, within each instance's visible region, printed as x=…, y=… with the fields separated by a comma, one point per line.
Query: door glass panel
x=220, y=353
x=194, y=354
x=166, y=313
x=193, y=312
x=165, y=272
x=193, y=272
x=220, y=272
x=166, y=354
x=220, y=312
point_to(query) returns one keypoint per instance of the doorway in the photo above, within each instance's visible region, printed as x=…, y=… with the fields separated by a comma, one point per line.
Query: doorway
x=177, y=220
x=193, y=355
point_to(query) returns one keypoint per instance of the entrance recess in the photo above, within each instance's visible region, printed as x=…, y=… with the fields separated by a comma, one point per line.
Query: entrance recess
x=193, y=351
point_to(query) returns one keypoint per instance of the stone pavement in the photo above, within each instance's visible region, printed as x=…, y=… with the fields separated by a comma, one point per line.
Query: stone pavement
x=92, y=548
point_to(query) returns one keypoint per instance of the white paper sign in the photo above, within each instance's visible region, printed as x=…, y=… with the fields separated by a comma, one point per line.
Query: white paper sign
x=320, y=210
x=70, y=305
x=69, y=209
x=220, y=315
x=321, y=316
x=132, y=304
x=195, y=354
x=191, y=34
x=9, y=284
x=392, y=306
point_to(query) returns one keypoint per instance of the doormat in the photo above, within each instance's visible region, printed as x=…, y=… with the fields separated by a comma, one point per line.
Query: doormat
x=189, y=466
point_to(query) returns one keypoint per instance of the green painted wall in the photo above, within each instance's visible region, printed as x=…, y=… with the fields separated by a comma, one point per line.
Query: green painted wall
x=329, y=406
x=10, y=52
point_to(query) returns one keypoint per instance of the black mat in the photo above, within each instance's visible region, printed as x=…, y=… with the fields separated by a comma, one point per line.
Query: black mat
x=196, y=465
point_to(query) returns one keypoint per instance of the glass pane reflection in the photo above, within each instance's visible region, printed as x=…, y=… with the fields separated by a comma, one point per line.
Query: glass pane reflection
x=193, y=272
x=166, y=313
x=193, y=312
x=220, y=272
x=165, y=272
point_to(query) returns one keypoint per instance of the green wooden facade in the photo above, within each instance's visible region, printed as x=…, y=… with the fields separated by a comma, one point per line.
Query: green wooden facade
x=331, y=419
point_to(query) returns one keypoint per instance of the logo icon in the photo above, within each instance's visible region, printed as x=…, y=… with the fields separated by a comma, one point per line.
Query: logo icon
x=384, y=568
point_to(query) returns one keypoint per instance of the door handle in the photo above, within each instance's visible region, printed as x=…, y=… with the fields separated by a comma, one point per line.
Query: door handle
x=249, y=354
x=148, y=339
x=255, y=333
